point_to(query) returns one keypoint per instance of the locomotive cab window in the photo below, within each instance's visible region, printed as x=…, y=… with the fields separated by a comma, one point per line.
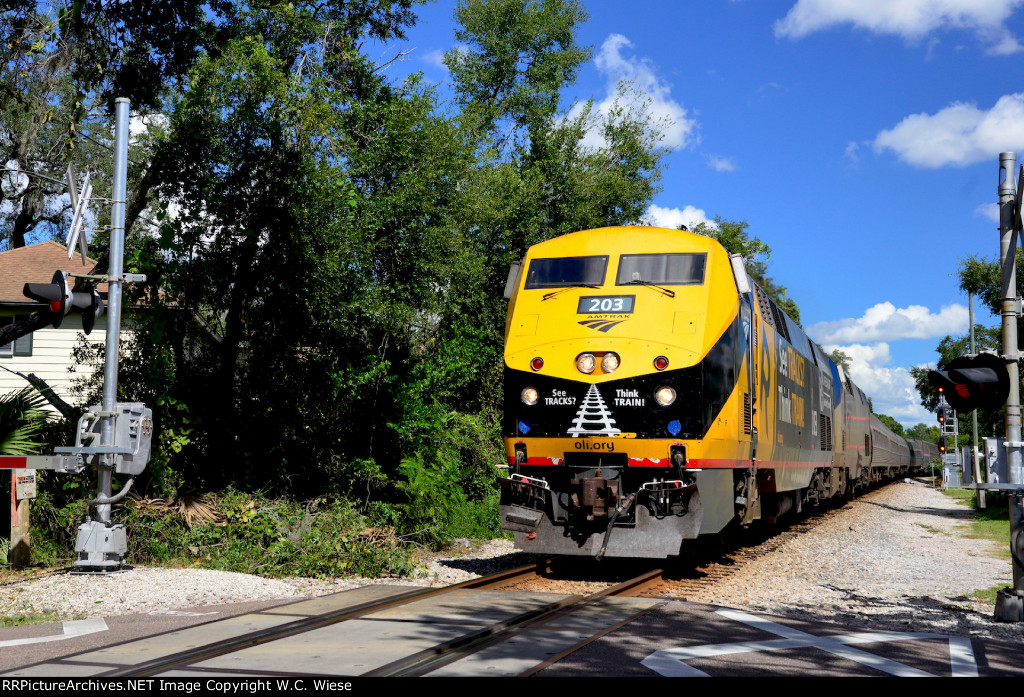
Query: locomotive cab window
x=662, y=269
x=566, y=272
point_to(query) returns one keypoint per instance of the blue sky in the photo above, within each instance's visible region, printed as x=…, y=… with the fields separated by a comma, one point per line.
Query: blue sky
x=860, y=140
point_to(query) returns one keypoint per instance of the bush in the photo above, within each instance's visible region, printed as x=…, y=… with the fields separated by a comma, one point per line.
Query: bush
x=449, y=481
x=239, y=532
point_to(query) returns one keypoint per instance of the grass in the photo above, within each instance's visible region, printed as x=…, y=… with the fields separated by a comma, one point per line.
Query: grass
x=23, y=620
x=929, y=528
x=992, y=523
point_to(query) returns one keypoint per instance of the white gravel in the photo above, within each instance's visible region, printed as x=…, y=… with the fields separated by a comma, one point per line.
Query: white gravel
x=895, y=559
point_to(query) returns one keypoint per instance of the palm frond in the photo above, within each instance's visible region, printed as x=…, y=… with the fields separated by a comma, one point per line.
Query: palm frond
x=21, y=419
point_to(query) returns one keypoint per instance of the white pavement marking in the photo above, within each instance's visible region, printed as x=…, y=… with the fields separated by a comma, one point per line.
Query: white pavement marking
x=672, y=662
x=182, y=613
x=72, y=629
x=961, y=658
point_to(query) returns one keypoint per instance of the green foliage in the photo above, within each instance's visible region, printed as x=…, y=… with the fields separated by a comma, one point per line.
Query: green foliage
x=891, y=423
x=990, y=523
x=841, y=359
x=27, y=620
x=983, y=278
x=60, y=506
x=925, y=432
x=21, y=422
x=325, y=254
x=63, y=64
x=449, y=482
x=273, y=538
x=514, y=58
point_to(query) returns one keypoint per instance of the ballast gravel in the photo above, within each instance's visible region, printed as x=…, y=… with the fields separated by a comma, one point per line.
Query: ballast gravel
x=894, y=559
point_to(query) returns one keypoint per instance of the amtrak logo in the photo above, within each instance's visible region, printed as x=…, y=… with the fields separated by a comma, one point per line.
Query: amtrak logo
x=593, y=417
x=602, y=325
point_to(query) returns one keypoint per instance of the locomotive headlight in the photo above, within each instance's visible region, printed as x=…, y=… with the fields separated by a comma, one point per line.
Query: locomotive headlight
x=665, y=395
x=529, y=396
x=586, y=363
x=610, y=362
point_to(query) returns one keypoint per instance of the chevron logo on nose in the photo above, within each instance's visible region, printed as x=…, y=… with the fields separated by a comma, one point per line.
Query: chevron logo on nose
x=601, y=325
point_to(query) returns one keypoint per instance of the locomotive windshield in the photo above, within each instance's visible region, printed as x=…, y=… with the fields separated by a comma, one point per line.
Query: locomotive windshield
x=666, y=269
x=565, y=272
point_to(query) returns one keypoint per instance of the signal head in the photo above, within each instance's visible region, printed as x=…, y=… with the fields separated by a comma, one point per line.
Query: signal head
x=55, y=294
x=972, y=382
x=60, y=299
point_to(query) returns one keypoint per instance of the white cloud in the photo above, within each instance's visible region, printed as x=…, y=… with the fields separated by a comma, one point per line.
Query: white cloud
x=910, y=19
x=674, y=217
x=852, y=152
x=640, y=76
x=884, y=322
x=721, y=164
x=435, y=58
x=989, y=211
x=961, y=134
x=892, y=390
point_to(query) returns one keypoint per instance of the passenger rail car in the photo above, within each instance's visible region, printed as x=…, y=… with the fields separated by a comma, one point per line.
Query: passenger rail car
x=653, y=394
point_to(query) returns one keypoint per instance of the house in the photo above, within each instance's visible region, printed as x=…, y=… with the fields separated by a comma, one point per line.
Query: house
x=48, y=352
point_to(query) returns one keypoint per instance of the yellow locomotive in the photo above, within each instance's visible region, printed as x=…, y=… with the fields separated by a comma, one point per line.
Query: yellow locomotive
x=653, y=393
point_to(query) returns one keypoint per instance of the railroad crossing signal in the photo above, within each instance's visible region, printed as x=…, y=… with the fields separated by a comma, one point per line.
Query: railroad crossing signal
x=973, y=382
x=61, y=299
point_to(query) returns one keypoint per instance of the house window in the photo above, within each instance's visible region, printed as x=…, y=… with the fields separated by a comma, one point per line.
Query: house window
x=21, y=346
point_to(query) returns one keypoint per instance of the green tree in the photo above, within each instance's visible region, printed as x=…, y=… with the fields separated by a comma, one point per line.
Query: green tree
x=62, y=65
x=891, y=423
x=982, y=277
x=841, y=359
x=324, y=311
x=535, y=178
x=925, y=432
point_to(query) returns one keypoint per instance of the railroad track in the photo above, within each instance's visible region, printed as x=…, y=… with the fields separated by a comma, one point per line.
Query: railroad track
x=432, y=659
x=692, y=580
x=428, y=660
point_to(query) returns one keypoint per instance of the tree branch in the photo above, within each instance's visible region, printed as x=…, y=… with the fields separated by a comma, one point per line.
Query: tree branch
x=43, y=388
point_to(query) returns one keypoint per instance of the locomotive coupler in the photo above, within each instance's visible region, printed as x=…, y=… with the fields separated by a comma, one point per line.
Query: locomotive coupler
x=595, y=495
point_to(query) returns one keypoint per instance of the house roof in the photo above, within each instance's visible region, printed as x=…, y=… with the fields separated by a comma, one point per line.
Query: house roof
x=36, y=264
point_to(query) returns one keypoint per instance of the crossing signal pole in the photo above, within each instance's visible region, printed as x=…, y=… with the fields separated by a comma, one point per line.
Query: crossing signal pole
x=949, y=433
x=112, y=437
x=1010, y=601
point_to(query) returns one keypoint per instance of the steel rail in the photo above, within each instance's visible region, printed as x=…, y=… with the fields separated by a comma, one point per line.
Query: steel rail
x=426, y=661
x=306, y=624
